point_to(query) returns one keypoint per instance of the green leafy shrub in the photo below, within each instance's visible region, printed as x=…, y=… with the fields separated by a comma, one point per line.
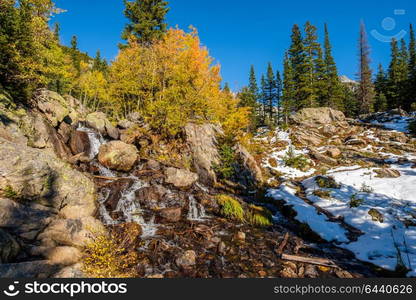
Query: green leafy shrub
x=259, y=216
x=292, y=160
x=230, y=208
x=326, y=182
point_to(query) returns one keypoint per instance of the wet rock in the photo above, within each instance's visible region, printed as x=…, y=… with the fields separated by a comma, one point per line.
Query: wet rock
x=116, y=190
x=387, y=173
x=99, y=121
x=180, y=178
x=202, y=140
x=171, y=215
x=80, y=142
x=117, y=155
x=150, y=196
x=9, y=248
x=187, y=259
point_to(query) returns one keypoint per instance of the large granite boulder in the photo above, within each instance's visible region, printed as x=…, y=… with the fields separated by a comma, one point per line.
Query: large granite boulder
x=118, y=156
x=53, y=106
x=44, y=204
x=314, y=117
x=180, y=178
x=202, y=140
x=99, y=122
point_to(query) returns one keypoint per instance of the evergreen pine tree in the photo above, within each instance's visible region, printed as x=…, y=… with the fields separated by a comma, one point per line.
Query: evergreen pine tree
x=254, y=89
x=365, y=94
x=57, y=31
x=321, y=86
x=226, y=88
x=300, y=76
x=99, y=64
x=147, y=20
x=333, y=91
x=404, y=75
x=380, y=85
x=9, y=64
x=288, y=88
x=279, y=91
x=411, y=90
x=394, y=77
x=74, y=43
x=75, y=54
x=248, y=98
x=270, y=94
x=312, y=48
x=263, y=100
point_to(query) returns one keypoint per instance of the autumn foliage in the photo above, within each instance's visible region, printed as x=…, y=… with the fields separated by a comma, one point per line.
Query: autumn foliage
x=172, y=82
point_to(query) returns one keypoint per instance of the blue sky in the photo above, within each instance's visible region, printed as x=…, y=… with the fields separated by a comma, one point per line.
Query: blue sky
x=240, y=33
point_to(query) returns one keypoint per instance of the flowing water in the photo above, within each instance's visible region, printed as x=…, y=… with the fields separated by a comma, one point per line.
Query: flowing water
x=127, y=206
x=196, y=210
x=96, y=140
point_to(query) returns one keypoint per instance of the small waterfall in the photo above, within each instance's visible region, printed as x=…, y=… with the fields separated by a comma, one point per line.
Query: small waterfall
x=96, y=140
x=196, y=210
x=104, y=171
x=127, y=205
x=132, y=211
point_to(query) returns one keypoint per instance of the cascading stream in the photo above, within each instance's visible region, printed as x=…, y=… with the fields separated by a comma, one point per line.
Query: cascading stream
x=127, y=205
x=196, y=210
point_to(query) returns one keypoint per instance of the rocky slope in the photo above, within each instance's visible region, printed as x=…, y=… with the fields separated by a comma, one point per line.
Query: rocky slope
x=66, y=173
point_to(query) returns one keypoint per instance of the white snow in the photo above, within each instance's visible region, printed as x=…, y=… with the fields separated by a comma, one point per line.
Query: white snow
x=287, y=172
x=395, y=199
x=306, y=213
x=386, y=243
x=396, y=123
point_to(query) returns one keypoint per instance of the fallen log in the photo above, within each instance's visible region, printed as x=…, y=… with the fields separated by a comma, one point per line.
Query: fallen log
x=310, y=260
x=279, y=250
